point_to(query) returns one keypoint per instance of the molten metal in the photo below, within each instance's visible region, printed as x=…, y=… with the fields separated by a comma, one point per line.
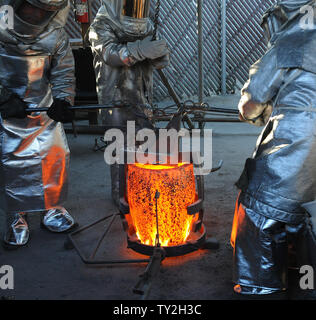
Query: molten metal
x=176, y=185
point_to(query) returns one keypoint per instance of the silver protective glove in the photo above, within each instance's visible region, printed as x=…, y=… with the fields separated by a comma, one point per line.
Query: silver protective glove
x=260, y=120
x=148, y=49
x=252, y=112
x=161, y=62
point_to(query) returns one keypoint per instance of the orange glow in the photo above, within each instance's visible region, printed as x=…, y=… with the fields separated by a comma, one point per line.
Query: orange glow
x=53, y=175
x=176, y=185
x=239, y=211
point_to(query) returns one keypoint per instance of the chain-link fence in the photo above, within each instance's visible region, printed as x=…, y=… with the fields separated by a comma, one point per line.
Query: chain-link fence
x=241, y=39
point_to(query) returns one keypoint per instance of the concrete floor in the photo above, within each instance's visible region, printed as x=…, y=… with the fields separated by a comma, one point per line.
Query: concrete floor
x=45, y=270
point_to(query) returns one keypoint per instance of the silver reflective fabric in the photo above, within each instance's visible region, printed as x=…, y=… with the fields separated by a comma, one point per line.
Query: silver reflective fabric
x=27, y=31
x=291, y=34
x=281, y=174
x=58, y=220
x=49, y=4
x=17, y=233
x=261, y=254
x=119, y=76
x=34, y=151
x=310, y=207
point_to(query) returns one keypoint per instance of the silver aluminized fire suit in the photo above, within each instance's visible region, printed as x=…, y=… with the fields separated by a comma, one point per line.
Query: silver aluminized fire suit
x=36, y=64
x=124, y=75
x=281, y=175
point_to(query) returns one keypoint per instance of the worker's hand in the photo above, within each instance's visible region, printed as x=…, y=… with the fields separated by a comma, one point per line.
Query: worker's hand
x=60, y=112
x=148, y=49
x=162, y=62
x=241, y=118
x=13, y=108
x=248, y=111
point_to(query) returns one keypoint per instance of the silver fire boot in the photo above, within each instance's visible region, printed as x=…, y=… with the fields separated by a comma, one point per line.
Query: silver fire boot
x=58, y=220
x=17, y=233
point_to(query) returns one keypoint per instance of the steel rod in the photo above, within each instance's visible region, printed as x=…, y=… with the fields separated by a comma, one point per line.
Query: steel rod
x=224, y=46
x=90, y=261
x=200, y=50
x=157, y=195
x=102, y=237
x=81, y=107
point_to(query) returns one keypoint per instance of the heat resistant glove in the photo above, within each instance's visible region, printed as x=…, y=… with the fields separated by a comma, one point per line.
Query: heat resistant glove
x=247, y=114
x=60, y=112
x=161, y=62
x=148, y=49
x=14, y=107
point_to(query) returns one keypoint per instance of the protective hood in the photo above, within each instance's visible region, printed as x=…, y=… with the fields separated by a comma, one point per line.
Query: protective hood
x=33, y=17
x=276, y=18
x=287, y=31
x=111, y=11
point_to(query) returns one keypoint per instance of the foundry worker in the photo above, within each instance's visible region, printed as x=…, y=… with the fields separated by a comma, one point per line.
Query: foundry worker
x=281, y=175
x=36, y=71
x=124, y=59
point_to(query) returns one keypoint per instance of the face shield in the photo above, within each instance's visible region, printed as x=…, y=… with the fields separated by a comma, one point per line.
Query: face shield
x=138, y=9
x=32, y=16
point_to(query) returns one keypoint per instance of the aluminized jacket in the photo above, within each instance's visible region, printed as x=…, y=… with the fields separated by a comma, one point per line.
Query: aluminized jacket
x=281, y=175
x=34, y=151
x=119, y=76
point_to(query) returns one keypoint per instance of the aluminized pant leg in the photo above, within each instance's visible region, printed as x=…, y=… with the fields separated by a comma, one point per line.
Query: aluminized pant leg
x=260, y=253
x=303, y=244
x=117, y=118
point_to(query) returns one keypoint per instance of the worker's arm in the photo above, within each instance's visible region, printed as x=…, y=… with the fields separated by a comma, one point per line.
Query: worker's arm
x=265, y=79
x=106, y=45
x=62, y=74
x=62, y=80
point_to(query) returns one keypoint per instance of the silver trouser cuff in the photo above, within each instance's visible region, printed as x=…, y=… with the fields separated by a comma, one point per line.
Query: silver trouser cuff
x=17, y=233
x=58, y=220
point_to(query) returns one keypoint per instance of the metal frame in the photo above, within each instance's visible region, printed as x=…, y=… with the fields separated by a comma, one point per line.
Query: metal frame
x=157, y=253
x=195, y=208
x=91, y=259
